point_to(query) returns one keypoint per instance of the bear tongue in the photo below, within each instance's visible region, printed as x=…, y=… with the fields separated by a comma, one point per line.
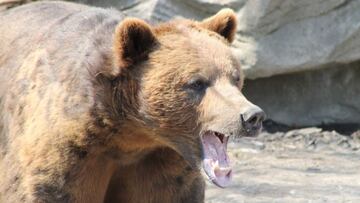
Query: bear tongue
x=216, y=161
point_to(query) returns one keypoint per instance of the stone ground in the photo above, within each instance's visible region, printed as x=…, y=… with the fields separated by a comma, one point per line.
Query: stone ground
x=298, y=166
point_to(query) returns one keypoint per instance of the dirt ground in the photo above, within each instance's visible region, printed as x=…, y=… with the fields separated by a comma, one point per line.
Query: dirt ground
x=305, y=165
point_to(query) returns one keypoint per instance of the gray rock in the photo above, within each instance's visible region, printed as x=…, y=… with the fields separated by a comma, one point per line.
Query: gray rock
x=163, y=10
x=291, y=36
x=309, y=98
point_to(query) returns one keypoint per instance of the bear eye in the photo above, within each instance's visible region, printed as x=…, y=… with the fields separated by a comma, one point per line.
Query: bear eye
x=198, y=84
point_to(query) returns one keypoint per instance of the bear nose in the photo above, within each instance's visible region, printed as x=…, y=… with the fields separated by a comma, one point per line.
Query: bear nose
x=252, y=119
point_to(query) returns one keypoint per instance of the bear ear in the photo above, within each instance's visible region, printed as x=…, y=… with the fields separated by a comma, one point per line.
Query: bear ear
x=224, y=23
x=133, y=41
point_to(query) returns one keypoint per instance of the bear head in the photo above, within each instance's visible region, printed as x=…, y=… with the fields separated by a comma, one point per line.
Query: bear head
x=180, y=84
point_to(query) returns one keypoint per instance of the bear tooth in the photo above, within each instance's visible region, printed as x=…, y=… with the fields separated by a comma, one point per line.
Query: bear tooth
x=216, y=164
x=225, y=168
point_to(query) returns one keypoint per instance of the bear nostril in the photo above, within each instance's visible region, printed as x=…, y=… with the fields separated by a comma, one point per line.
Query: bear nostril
x=253, y=118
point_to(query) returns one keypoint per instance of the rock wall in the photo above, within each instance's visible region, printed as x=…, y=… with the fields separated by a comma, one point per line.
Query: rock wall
x=291, y=36
x=317, y=97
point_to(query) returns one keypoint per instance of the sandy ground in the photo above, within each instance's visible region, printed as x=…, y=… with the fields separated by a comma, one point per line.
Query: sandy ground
x=306, y=165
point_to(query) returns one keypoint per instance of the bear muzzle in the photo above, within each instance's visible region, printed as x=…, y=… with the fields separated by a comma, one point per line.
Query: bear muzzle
x=216, y=162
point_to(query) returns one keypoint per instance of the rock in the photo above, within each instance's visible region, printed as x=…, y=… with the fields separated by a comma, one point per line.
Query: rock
x=291, y=36
x=356, y=135
x=310, y=98
x=247, y=144
x=306, y=131
x=163, y=10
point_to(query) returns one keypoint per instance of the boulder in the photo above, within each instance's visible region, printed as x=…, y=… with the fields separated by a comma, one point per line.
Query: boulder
x=319, y=97
x=292, y=36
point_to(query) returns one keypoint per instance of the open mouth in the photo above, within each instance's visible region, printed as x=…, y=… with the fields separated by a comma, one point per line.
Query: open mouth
x=216, y=162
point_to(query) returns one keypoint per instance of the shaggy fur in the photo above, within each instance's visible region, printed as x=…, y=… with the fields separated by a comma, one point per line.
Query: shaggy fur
x=96, y=108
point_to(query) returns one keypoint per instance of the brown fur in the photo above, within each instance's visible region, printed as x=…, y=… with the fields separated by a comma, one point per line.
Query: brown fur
x=95, y=107
x=223, y=23
x=129, y=34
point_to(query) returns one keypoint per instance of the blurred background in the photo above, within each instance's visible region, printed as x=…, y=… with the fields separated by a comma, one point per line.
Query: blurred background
x=302, y=65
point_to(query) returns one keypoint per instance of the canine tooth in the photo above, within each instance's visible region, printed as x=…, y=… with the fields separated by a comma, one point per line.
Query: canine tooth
x=225, y=168
x=216, y=165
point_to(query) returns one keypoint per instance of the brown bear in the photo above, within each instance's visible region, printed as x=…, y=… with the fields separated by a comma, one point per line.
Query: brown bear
x=96, y=107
